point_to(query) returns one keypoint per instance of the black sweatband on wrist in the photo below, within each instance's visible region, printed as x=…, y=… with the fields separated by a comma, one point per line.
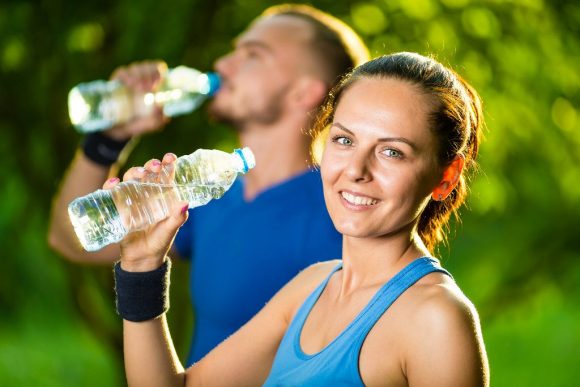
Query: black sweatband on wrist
x=142, y=296
x=102, y=149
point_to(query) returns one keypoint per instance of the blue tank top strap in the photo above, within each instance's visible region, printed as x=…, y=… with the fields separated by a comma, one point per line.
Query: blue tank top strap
x=300, y=317
x=388, y=294
x=337, y=363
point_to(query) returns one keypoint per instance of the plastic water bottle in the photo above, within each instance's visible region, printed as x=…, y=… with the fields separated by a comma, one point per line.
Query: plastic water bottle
x=99, y=105
x=106, y=216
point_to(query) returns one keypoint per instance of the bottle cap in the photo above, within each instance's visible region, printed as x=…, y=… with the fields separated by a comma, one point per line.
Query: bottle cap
x=214, y=83
x=247, y=158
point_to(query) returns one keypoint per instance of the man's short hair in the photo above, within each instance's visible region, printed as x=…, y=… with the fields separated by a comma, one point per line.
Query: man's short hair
x=338, y=46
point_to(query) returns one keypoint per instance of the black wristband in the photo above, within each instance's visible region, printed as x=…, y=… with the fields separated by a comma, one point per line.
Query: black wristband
x=142, y=296
x=102, y=149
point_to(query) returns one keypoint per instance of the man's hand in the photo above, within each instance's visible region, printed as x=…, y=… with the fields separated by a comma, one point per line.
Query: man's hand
x=140, y=78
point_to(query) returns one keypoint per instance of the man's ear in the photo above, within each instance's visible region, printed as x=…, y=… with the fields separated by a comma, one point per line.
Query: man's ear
x=308, y=92
x=450, y=178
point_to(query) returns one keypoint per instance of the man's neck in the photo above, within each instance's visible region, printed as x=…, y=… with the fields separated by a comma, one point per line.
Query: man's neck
x=281, y=152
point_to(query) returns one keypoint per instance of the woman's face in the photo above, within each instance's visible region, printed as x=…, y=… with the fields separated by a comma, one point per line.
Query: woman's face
x=379, y=165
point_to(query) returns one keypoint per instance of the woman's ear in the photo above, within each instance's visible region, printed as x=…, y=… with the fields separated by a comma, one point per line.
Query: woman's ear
x=450, y=178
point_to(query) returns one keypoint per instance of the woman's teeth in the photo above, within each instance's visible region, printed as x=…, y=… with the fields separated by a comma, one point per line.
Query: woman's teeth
x=358, y=200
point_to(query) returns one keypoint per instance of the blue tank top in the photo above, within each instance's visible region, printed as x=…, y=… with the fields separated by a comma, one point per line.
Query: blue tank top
x=243, y=252
x=337, y=363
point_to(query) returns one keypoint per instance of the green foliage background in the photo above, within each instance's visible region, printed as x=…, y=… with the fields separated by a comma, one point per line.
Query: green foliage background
x=515, y=254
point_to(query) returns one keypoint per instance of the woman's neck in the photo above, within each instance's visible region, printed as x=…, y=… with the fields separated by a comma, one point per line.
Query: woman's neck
x=370, y=262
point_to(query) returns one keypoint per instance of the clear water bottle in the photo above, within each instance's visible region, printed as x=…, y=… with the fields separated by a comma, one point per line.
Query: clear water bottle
x=106, y=216
x=99, y=105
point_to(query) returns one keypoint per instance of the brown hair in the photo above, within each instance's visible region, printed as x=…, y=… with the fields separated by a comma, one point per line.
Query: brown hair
x=456, y=120
x=337, y=46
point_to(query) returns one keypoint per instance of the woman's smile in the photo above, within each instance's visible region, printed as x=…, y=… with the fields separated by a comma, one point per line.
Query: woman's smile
x=357, y=201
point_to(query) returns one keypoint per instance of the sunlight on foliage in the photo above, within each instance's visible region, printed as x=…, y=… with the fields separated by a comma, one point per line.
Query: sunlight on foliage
x=455, y=3
x=441, y=36
x=565, y=116
x=420, y=9
x=480, y=22
x=13, y=54
x=368, y=18
x=86, y=37
x=515, y=252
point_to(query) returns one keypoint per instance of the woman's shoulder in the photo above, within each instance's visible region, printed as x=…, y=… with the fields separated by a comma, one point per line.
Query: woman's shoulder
x=442, y=316
x=304, y=283
x=436, y=331
x=438, y=296
x=312, y=276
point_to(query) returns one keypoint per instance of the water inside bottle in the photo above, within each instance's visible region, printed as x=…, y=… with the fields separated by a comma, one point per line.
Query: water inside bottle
x=105, y=216
x=96, y=220
x=98, y=105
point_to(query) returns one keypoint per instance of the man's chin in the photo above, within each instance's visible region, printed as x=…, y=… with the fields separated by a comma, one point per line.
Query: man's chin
x=219, y=115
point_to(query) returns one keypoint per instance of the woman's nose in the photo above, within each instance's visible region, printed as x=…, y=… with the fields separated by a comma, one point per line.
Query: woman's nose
x=358, y=168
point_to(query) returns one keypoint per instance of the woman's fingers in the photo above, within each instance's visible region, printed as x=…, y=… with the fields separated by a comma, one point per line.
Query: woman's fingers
x=154, y=171
x=109, y=184
x=135, y=173
x=177, y=217
x=168, y=165
x=153, y=165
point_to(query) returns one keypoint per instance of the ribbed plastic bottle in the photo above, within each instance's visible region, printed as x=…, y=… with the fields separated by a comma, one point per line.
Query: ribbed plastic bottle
x=99, y=105
x=106, y=216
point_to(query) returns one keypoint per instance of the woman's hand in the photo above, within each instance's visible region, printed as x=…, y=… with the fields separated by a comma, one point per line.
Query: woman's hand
x=146, y=250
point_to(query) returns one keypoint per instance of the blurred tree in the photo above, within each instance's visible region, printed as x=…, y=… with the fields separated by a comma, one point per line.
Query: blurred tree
x=516, y=252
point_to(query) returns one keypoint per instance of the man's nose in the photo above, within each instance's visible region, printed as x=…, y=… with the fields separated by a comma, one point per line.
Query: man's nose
x=225, y=65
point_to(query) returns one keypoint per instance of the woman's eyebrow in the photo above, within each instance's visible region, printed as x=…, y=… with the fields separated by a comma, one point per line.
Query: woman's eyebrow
x=382, y=139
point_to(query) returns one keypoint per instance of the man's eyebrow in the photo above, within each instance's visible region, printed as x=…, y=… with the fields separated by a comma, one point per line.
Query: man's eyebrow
x=241, y=42
x=383, y=139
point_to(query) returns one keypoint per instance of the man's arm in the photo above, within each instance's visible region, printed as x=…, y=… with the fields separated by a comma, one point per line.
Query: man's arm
x=85, y=175
x=82, y=177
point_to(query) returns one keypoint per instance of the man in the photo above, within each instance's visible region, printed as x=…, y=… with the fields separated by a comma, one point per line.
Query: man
x=273, y=222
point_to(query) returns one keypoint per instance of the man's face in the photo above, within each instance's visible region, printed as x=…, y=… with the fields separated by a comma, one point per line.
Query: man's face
x=258, y=74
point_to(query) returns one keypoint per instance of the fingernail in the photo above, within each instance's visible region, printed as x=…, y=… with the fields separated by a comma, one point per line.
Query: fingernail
x=113, y=179
x=155, y=163
x=170, y=154
x=184, y=209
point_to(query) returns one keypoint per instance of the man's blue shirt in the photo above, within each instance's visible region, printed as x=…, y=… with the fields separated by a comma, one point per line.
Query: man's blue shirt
x=244, y=252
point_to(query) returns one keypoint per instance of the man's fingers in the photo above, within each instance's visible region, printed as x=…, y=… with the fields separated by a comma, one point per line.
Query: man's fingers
x=145, y=124
x=142, y=76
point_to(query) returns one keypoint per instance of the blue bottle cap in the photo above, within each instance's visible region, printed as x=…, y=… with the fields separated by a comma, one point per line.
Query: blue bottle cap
x=214, y=82
x=247, y=158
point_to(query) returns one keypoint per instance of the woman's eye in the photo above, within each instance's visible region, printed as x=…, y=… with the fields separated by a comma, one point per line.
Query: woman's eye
x=342, y=140
x=392, y=153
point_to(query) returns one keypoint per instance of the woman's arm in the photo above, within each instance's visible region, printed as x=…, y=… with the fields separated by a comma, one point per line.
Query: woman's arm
x=245, y=358
x=446, y=344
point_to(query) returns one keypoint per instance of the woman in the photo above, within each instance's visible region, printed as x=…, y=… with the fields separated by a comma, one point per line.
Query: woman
x=403, y=132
